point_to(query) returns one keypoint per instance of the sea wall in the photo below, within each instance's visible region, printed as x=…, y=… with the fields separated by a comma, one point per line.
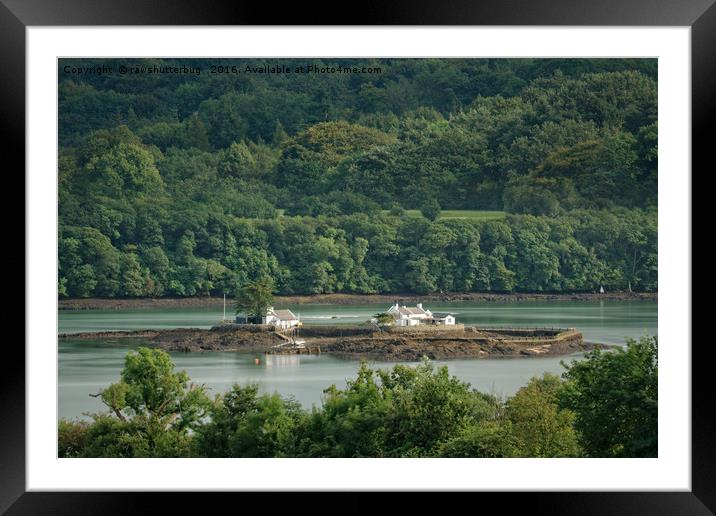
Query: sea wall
x=426, y=328
x=248, y=328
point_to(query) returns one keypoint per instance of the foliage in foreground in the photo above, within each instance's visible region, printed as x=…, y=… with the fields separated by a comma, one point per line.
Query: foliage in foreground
x=624, y=422
x=604, y=406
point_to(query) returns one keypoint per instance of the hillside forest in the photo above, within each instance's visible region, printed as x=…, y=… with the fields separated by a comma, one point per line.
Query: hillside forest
x=410, y=175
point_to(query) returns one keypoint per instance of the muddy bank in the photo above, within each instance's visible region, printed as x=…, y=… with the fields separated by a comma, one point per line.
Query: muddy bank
x=191, y=339
x=363, y=342
x=471, y=343
x=411, y=349
x=340, y=299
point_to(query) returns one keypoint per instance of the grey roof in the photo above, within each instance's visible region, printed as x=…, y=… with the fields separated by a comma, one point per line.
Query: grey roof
x=285, y=315
x=441, y=315
x=410, y=310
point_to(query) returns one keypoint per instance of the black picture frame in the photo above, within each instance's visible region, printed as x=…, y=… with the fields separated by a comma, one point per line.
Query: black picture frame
x=700, y=15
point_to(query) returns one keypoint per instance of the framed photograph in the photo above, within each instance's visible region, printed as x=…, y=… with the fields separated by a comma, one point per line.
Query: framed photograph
x=442, y=249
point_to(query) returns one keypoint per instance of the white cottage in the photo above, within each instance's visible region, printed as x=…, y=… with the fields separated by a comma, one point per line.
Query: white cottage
x=443, y=318
x=417, y=315
x=409, y=316
x=283, y=319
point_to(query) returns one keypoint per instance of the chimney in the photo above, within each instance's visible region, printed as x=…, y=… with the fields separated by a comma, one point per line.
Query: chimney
x=420, y=305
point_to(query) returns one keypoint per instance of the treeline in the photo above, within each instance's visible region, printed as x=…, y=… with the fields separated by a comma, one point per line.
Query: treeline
x=190, y=185
x=368, y=253
x=604, y=406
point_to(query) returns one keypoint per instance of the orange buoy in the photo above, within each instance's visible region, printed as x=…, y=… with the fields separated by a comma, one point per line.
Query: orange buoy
x=257, y=361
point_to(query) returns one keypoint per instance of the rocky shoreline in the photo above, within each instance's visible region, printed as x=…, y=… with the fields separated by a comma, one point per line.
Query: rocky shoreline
x=340, y=299
x=364, y=342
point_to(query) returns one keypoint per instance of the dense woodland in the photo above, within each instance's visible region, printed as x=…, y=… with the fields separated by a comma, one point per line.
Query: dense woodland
x=184, y=185
x=603, y=406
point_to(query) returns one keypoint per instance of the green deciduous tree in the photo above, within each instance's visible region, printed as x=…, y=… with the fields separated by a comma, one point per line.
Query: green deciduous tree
x=541, y=428
x=244, y=424
x=614, y=396
x=384, y=318
x=428, y=408
x=152, y=411
x=486, y=439
x=255, y=297
x=430, y=209
x=351, y=421
x=150, y=389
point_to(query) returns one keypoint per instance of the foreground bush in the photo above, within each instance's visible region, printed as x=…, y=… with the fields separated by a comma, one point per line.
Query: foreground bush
x=615, y=398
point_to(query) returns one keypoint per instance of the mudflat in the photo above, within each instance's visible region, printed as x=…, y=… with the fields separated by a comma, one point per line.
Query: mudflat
x=364, y=341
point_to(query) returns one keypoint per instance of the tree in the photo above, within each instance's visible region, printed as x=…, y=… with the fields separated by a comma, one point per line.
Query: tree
x=418, y=276
x=195, y=133
x=483, y=440
x=238, y=161
x=429, y=407
x=532, y=257
x=279, y=134
x=244, y=424
x=614, y=395
x=332, y=141
x=150, y=389
x=81, y=281
x=351, y=421
x=132, y=280
x=535, y=196
x=384, y=319
x=396, y=210
x=540, y=427
x=126, y=169
x=430, y=209
x=223, y=118
x=255, y=297
x=152, y=412
x=71, y=438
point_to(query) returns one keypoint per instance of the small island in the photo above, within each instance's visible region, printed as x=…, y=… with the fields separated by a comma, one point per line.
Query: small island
x=401, y=333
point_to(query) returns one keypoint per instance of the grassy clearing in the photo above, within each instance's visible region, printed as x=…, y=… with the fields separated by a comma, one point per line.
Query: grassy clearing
x=473, y=214
x=451, y=214
x=465, y=214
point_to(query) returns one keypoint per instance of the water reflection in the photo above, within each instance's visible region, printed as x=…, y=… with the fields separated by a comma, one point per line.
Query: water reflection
x=283, y=361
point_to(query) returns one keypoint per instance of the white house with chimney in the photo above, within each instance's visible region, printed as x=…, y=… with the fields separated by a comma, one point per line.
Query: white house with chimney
x=283, y=319
x=417, y=315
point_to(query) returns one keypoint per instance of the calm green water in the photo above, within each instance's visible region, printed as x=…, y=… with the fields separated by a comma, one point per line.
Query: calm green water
x=86, y=366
